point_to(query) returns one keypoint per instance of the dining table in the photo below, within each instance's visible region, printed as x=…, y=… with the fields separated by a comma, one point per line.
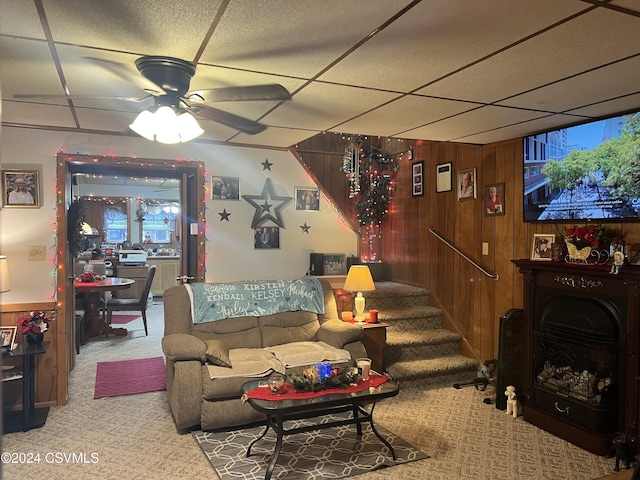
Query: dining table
x=92, y=292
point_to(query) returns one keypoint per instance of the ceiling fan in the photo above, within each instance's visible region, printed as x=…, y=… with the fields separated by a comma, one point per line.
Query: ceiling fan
x=172, y=76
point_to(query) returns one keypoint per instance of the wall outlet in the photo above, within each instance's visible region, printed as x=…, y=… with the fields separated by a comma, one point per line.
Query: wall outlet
x=485, y=248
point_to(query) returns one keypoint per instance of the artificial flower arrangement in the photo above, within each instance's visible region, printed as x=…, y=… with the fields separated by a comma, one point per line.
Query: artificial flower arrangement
x=588, y=236
x=91, y=276
x=321, y=376
x=34, y=322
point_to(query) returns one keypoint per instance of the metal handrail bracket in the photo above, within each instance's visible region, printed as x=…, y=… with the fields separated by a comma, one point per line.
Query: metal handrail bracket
x=495, y=276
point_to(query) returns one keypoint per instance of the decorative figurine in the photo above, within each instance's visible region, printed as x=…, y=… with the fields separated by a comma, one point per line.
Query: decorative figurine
x=513, y=407
x=618, y=261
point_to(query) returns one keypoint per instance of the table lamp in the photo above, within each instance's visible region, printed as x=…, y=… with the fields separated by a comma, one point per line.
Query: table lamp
x=359, y=280
x=4, y=274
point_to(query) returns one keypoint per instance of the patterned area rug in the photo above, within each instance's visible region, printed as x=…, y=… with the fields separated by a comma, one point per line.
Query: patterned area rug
x=123, y=319
x=320, y=454
x=128, y=377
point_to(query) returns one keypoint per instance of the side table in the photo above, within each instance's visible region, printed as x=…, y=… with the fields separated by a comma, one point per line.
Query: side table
x=374, y=339
x=30, y=417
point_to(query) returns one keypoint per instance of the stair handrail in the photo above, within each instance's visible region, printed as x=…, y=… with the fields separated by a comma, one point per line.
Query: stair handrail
x=495, y=276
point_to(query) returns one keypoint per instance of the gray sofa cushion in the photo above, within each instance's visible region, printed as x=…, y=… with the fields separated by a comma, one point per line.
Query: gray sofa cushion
x=217, y=353
x=241, y=332
x=288, y=327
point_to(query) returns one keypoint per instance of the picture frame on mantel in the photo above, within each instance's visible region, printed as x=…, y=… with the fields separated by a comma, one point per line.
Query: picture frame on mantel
x=541, y=246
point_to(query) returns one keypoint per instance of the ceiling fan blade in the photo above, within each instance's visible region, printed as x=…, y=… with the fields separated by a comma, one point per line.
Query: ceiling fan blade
x=229, y=119
x=79, y=97
x=272, y=91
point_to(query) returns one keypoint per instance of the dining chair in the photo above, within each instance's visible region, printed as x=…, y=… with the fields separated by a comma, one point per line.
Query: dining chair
x=132, y=304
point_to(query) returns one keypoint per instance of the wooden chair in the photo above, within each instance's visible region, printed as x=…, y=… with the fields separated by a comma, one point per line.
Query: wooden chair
x=129, y=304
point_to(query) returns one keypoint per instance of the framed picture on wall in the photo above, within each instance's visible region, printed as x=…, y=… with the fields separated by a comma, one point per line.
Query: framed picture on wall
x=20, y=189
x=443, y=177
x=266, y=237
x=225, y=188
x=308, y=199
x=541, y=248
x=8, y=336
x=494, y=199
x=417, y=179
x=467, y=184
x=334, y=264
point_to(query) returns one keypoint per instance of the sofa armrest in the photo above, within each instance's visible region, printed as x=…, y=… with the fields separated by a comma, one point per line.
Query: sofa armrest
x=182, y=347
x=338, y=333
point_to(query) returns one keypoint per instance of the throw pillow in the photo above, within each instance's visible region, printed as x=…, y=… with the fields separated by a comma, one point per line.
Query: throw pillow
x=217, y=353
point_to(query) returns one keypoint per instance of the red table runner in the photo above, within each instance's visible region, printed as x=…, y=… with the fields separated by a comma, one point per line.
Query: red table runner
x=263, y=393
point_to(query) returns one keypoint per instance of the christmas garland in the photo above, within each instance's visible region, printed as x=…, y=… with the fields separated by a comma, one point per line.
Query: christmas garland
x=322, y=376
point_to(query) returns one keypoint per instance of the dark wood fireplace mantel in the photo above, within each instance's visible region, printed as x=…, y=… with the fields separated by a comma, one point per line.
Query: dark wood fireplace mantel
x=547, y=282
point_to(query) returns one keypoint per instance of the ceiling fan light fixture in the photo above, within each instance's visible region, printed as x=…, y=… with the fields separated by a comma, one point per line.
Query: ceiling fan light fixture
x=165, y=126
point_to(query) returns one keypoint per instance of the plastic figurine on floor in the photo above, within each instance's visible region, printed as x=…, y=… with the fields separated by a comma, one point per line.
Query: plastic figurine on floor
x=513, y=406
x=618, y=261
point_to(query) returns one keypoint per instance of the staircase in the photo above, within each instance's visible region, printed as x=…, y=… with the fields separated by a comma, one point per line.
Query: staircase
x=419, y=353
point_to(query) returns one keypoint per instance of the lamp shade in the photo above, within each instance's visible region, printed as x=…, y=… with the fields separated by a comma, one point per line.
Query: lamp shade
x=4, y=274
x=359, y=279
x=165, y=125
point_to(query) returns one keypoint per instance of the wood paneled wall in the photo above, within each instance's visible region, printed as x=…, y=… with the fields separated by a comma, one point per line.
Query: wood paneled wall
x=473, y=303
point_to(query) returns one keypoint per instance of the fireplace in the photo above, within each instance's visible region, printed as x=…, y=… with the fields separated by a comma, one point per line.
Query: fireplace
x=581, y=349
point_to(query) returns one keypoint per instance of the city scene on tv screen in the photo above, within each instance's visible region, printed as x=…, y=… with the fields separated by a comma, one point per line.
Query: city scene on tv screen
x=586, y=172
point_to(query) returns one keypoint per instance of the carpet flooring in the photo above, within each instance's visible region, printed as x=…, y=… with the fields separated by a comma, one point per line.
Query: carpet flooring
x=316, y=455
x=128, y=377
x=123, y=319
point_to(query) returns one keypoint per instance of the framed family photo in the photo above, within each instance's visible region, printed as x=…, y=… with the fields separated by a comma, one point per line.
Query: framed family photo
x=467, y=184
x=20, y=189
x=417, y=179
x=308, y=199
x=334, y=264
x=541, y=247
x=494, y=199
x=225, y=188
x=8, y=336
x=266, y=237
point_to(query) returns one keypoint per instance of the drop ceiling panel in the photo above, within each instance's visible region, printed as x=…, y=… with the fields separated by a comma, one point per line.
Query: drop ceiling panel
x=588, y=41
x=322, y=105
x=29, y=24
x=598, y=85
x=605, y=109
x=292, y=37
x=440, y=36
x=36, y=114
x=276, y=137
x=404, y=114
x=473, y=122
x=158, y=27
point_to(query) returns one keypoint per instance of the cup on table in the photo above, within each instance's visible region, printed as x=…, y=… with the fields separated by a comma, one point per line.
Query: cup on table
x=364, y=367
x=276, y=384
x=347, y=316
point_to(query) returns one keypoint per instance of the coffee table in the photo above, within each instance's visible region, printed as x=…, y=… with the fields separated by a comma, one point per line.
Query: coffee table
x=280, y=411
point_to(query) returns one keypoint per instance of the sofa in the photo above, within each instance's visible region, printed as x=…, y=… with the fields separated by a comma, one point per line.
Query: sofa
x=208, y=360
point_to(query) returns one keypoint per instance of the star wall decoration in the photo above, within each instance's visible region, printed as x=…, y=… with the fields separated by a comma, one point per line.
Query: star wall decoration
x=268, y=199
x=266, y=165
x=224, y=215
x=305, y=228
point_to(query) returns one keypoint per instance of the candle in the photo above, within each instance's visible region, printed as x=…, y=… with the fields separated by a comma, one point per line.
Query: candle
x=373, y=316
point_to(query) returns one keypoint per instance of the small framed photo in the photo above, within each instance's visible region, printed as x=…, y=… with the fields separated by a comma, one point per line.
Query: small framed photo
x=20, y=189
x=334, y=264
x=8, y=336
x=308, y=199
x=225, y=188
x=467, y=184
x=494, y=199
x=443, y=177
x=541, y=248
x=266, y=238
x=417, y=179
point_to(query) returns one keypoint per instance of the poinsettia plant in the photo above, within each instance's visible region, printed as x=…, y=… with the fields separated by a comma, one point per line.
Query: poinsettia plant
x=34, y=322
x=588, y=236
x=91, y=276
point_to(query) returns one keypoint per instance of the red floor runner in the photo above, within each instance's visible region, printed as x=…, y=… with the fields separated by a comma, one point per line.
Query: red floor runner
x=128, y=377
x=123, y=319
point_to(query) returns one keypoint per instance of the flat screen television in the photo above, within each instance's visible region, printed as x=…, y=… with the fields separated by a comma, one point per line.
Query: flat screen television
x=587, y=172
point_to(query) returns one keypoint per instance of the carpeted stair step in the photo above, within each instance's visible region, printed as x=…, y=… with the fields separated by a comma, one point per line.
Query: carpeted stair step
x=394, y=296
x=420, y=317
x=414, y=345
x=433, y=372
